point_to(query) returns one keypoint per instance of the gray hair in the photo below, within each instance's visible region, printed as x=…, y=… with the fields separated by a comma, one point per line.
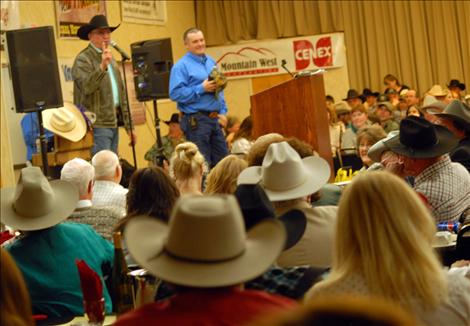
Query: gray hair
x=78, y=172
x=105, y=163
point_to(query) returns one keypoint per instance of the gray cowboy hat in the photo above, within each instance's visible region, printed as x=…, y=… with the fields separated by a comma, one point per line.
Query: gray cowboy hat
x=457, y=111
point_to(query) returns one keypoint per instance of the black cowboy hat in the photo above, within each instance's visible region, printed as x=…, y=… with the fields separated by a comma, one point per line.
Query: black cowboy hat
x=175, y=118
x=256, y=206
x=352, y=93
x=456, y=83
x=367, y=92
x=98, y=21
x=420, y=138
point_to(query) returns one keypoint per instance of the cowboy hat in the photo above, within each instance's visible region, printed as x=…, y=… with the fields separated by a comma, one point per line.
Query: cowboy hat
x=67, y=122
x=419, y=138
x=284, y=175
x=367, y=92
x=342, y=108
x=205, y=243
x=456, y=83
x=437, y=91
x=98, y=21
x=35, y=203
x=256, y=207
x=434, y=107
x=375, y=151
x=175, y=118
x=457, y=111
x=352, y=93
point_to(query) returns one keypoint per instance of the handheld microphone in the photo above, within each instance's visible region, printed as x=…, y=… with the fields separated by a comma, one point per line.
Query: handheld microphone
x=118, y=49
x=283, y=65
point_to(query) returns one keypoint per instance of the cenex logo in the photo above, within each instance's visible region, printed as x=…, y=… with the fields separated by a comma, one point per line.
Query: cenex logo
x=305, y=52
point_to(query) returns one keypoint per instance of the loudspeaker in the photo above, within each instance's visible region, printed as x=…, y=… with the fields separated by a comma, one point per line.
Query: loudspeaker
x=152, y=61
x=34, y=68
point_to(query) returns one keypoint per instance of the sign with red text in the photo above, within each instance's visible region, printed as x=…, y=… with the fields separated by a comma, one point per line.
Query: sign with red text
x=263, y=58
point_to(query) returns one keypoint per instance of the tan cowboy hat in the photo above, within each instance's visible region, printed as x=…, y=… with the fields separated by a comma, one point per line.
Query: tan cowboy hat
x=284, y=175
x=67, y=122
x=205, y=244
x=438, y=90
x=35, y=203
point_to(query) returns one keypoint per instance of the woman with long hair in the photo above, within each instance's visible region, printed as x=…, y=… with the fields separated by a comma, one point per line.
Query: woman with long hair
x=243, y=140
x=187, y=167
x=383, y=248
x=223, y=177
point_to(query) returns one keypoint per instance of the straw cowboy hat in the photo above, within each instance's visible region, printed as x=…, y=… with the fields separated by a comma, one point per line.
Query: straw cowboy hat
x=419, y=138
x=342, y=108
x=98, y=21
x=457, y=111
x=67, y=122
x=284, y=175
x=256, y=207
x=205, y=243
x=35, y=203
x=375, y=151
x=437, y=91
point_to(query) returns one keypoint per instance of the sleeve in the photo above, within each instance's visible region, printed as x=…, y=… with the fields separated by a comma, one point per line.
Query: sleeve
x=85, y=76
x=223, y=105
x=180, y=90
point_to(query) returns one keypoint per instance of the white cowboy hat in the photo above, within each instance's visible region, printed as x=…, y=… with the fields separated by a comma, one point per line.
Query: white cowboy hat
x=67, y=122
x=284, y=175
x=36, y=204
x=205, y=244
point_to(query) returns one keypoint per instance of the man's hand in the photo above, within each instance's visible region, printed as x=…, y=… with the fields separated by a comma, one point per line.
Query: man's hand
x=132, y=137
x=106, y=57
x=209, y=85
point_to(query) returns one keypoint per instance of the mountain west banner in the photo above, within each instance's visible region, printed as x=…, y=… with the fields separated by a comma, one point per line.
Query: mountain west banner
x=263, y=58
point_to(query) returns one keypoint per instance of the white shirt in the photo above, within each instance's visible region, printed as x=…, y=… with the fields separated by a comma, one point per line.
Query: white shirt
x=109, y=193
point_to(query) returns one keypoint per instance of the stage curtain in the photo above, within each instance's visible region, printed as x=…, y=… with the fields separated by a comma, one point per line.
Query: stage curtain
x=421, y=42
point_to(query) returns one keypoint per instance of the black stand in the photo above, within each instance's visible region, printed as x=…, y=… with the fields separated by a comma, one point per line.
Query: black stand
x=159, y=158
x=131, y=124
x=42, y=138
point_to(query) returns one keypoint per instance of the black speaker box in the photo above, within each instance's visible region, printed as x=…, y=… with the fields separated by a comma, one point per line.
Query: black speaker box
x=34, y=68
x=152, y=61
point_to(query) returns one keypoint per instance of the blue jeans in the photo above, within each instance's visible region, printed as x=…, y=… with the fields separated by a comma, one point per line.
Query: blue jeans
x=105, y=138
x=207, y=135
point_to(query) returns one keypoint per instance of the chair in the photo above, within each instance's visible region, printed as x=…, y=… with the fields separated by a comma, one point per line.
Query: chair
x=463, y=243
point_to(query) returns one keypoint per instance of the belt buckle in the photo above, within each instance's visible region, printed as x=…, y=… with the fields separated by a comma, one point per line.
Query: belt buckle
x=213, y=115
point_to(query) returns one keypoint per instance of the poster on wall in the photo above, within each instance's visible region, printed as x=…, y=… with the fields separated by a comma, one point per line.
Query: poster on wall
x=71, y=14
x=150, y=12
x=9, y=18
x=306, y=53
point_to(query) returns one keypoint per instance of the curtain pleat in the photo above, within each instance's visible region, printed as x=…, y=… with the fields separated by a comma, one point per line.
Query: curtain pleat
x=421, y=42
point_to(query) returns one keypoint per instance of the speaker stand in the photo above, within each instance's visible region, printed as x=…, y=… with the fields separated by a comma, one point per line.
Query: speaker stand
x=159, y=158
x=128, y=108
x=42, y=138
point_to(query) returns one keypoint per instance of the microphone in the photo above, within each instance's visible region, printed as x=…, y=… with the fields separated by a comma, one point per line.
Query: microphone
x=118, y=49
x=283, y=65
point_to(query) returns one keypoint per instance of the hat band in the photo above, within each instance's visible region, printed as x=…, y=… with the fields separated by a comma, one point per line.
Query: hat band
x=200, y=260
x=290, y=187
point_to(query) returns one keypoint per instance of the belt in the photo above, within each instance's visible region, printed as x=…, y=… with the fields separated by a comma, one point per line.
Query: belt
x=210, y=114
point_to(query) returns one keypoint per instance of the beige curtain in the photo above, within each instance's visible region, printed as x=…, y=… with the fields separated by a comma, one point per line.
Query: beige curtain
x=421, y=42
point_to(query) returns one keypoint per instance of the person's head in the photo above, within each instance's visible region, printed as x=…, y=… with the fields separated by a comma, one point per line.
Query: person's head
x=331, y=114
x=456, y=118
x=99, y=36
x=256, y=153
x=382, y=223
x=358, y=116
x=194, y=41
x=233, y=124
x=245, y=129
x=343, y=112
x=456, y=88
x=414, y=111
x=97, y=31
x=353, y=98
x=411, y=98
x=173, y=124
x=81, y=174
x=107, y=166
x=187, y=165
x=391, y=81
x=330, y=101
x=384, y=111
x=393, y=96
x=366, y=137
x=15, y=304
x=151, y=192
x=222, y=179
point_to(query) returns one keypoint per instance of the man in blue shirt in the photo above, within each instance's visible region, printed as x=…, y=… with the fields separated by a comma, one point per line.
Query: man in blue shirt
x=191, y=88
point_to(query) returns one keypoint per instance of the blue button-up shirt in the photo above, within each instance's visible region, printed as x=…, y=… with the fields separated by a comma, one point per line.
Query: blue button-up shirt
x=186, y=88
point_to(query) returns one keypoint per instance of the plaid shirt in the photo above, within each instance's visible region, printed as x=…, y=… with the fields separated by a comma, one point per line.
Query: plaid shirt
x=111, y=194
x=446, y=185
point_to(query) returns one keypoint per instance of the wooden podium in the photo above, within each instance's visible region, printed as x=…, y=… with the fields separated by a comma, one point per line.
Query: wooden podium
x=295, y=108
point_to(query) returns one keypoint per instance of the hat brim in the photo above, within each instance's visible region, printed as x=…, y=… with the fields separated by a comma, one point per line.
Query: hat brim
x=318, y=172
x=77, y=133
x=84, y=30
x=455, y=118
x=445, y=144
x=145, y=239
x=295, y=223
x=66, y=198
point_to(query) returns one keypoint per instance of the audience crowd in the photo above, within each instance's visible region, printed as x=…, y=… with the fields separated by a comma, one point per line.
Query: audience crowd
x=262, y=237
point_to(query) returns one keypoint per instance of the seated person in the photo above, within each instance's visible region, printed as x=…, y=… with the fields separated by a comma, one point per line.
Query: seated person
x=208, y=277
x=30, y=128
x=80, y=173
x=46, y=250
x=366, y=137
x=222, y=179
x=242, y=140
x=359, y=120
